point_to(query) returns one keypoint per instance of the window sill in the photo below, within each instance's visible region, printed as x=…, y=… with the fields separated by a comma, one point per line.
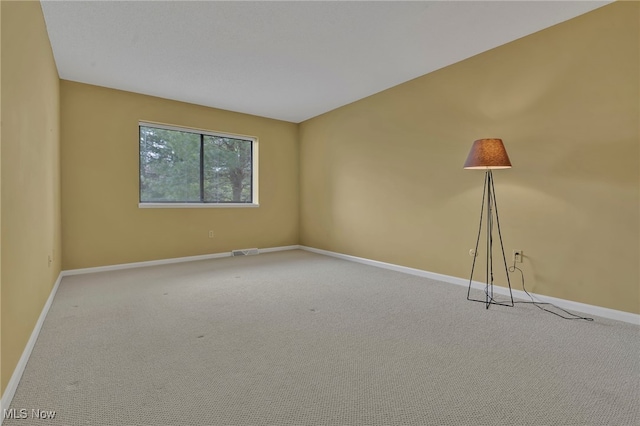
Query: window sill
x=196, y=205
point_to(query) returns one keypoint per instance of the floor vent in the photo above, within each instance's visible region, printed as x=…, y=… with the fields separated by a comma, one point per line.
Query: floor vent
x=244, y=252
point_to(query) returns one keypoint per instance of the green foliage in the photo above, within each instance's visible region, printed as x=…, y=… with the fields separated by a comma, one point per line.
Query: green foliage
x=227, y=170
x=170, y=167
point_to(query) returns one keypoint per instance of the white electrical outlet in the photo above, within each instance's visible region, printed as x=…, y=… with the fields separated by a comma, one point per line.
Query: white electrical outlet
x=210, y=234
x=517, y=256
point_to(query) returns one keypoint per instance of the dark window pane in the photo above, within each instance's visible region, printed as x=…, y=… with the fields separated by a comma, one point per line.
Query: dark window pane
x=227, y=170
x=169, y=165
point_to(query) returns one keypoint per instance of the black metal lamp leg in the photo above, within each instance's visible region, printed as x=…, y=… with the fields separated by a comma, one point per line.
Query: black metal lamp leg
x=488, y=194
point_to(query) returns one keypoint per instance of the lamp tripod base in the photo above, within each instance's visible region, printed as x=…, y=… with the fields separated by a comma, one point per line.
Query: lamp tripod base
x=489, y=200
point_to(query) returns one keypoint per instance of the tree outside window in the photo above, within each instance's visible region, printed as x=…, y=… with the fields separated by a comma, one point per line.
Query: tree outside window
x=183, y=166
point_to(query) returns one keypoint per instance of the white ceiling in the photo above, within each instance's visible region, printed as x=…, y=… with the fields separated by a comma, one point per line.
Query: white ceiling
x=285, y=60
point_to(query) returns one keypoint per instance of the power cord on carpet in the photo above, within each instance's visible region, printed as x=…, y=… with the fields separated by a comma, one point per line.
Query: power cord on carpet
x=538, y=305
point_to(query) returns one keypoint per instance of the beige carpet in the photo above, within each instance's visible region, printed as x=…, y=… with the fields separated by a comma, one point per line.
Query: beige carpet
x=295, y=338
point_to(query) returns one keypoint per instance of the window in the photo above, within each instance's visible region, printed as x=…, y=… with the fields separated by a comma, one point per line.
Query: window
x=182, y=167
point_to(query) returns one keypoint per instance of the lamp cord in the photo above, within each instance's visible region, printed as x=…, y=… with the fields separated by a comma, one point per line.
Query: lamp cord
x=538, y=305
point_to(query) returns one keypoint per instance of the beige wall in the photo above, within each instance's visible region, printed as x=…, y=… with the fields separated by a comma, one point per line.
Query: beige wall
x=382, y=178
x=102, y=224
x=30, y=185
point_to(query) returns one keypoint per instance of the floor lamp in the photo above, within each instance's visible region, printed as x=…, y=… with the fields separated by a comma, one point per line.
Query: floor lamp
x=489, y=154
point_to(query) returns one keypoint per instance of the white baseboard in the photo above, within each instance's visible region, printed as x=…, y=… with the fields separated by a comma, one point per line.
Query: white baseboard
x=143, y=264
x=282, y=248
x=519, y=294
x=10, y=391
x=165, y=261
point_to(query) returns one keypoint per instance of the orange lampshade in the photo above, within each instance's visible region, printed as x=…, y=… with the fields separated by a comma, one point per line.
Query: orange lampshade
x=488, y=154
